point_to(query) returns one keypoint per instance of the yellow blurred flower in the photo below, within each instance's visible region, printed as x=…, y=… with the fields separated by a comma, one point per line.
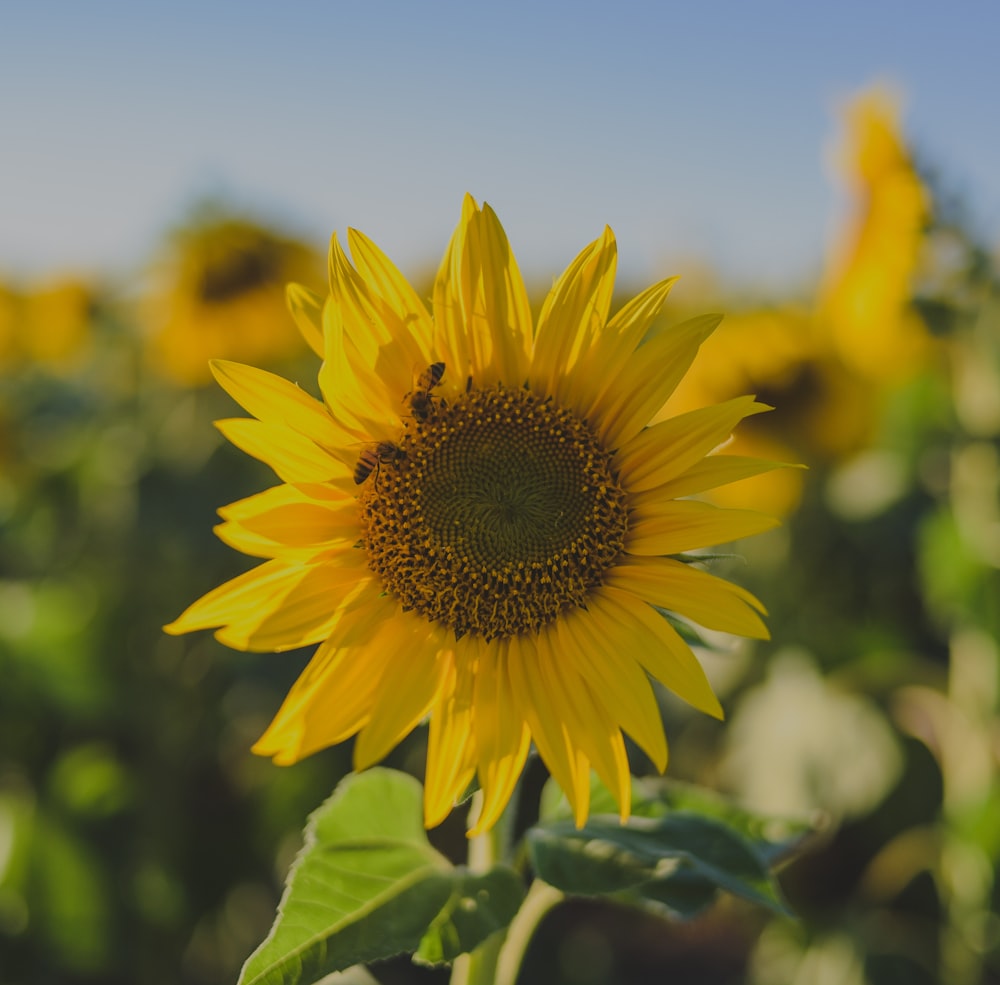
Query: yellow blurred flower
x=770, y=353
x=865, y=306
x=827, y=366
x=219, y=292
x=58, y=323
x=9, y=318
x=50, y=325
x=478, y=524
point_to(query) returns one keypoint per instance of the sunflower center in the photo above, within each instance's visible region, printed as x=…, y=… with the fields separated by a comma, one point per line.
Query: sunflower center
x=494, y=512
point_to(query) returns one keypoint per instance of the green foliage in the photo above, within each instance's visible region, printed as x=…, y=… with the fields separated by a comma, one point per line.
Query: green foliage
x=678, y=861
x=679, y=849
x=479, y=905
x=368, y=885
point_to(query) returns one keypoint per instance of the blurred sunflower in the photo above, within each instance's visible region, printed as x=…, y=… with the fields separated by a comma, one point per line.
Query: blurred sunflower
x=865, y=309
x=219, y=292
x=830, y=363
x=8, y=325
x=49, y=326
x=478, y=524
x=770, y=352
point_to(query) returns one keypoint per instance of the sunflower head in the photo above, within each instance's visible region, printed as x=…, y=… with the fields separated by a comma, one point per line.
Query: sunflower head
x=478, y=524
x=219, y=291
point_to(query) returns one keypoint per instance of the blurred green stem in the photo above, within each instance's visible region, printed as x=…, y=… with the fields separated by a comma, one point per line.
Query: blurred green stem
x=479, y=966
x=540, y=899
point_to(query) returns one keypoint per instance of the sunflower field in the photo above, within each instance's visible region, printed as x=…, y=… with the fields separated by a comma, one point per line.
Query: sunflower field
x=852, y=734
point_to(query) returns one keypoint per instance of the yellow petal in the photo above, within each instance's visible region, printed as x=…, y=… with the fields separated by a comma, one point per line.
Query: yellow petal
x=566, y=762
x=501, y=734
x=381, y=334
x=333, y=697
x=451, y=338
x=293, y=457
x=307, y=310
x=585, y=721
x=482, y=303
x=696, y=595
x=676, y=526
x=497, y=304
x=649, y=378
x=285, y=495
x=248, y=591
x=356, y=395
x=596, y=371
x=451, y=751
x=304, y=614
x=659, y=453
x=709, y=473
x=277, y=401
x=574, y=313
x=384, y=279
x=617, y=678
x=241, y=539
x=642, y=631
x=408, y=691
x=303, y=524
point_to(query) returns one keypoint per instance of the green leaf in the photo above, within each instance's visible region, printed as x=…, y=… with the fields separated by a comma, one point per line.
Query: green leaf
x=367, y=885
x=479, y=906
x=775, y=838
x=676, y=861
x=682, y=845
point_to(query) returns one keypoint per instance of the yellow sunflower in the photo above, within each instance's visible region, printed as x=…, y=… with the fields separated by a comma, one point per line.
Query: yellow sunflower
x=865, y=305
x=218, y=290
x=477, y=524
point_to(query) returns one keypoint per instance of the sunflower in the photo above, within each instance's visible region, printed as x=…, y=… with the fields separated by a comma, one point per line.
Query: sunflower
x=478, y=525
x=218, y=289
x=865, y=305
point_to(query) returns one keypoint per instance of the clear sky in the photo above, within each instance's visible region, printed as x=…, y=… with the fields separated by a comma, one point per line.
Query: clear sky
x=696, y=130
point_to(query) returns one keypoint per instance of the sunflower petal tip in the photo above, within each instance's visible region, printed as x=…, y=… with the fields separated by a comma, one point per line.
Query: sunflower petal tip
x=433, y=815
x=280, y=754
x=220, y=368
x=716, y=710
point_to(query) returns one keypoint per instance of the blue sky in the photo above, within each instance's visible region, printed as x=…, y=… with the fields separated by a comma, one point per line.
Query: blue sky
x=699, y=132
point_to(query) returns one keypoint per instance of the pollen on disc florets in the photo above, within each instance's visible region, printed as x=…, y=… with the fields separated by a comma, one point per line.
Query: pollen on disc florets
x=499, y=511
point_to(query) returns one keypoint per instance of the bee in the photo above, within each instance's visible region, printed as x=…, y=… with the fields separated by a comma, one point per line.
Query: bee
x=421, y=401
x=372, y=459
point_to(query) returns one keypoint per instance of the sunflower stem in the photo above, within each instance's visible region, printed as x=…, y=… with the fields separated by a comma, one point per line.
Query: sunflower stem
x=478, y=967
x=540, y=899
x=497, y=961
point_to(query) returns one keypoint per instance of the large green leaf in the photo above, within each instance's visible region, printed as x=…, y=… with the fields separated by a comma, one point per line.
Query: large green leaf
x=676, y=861
x=774, y=838
x=367, y=884
x=680, y=847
